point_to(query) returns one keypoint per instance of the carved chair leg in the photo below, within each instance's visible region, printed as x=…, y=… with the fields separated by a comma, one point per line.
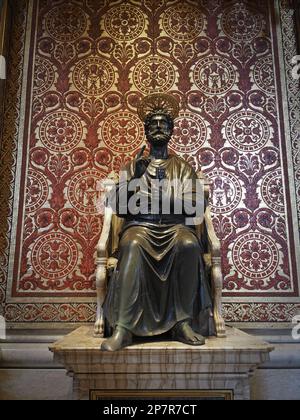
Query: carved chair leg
x=217, y=284
x=101, y=286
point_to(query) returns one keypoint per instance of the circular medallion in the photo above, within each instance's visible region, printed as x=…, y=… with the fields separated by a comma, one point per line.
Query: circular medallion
x=66, y=23
x=272, y=191
x=93, y=76
x=263, y=75
x=37, y=191
x=214, y=75
x=61, y=131
x=247, y=131
x=54, y=256
x=44, y=76
x=83, y=190
x=122, y=132
x=153, y=75
x=226, y=191
x=124, y=22
x=190, y=133
x=255, y=256
x=183, y=22
x=241, y=23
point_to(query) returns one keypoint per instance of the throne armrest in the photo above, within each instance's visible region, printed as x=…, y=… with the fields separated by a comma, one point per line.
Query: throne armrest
x=102, y=246
x=214, y=244
x=214, y=249
x=103, y=243
x=101, y=262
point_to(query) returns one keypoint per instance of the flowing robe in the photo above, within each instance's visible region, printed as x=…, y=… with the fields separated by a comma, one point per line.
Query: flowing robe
x=161, y=278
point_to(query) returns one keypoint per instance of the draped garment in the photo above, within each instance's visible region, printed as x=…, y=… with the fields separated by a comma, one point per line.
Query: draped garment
x=160, y=278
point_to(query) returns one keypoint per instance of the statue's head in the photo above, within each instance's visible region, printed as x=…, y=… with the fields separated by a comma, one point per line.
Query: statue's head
x=158, y=112
x=159, y=127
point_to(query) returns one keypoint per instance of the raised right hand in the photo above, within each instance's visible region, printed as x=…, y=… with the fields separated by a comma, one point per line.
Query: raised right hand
x=141, y=166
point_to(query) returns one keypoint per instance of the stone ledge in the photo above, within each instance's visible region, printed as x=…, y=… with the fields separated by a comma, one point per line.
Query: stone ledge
x=26, y=356
x=37, y=355
x=83, y=339
x=223, y=363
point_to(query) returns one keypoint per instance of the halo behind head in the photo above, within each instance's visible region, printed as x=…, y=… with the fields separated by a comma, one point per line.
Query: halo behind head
x=158, y=103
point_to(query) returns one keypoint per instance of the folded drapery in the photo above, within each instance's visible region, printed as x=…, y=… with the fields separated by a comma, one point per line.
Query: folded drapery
x=160, y=280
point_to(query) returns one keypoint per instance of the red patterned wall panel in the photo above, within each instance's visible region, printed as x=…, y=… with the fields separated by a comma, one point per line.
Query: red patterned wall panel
x=86, y=65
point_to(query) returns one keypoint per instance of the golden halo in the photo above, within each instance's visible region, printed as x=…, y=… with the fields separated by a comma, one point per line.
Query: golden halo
x=158, y=102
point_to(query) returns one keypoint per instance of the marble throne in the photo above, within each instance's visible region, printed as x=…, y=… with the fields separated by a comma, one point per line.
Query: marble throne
x=108, y=244
x=221, y=369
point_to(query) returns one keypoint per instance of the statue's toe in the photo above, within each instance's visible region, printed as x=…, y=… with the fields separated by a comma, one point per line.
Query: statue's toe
x=184, y=333
x=108, y=345
x=121, y=338
x=200, y=340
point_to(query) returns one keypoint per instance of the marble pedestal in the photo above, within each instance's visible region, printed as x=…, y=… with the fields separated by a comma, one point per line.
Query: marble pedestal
x=225, y=364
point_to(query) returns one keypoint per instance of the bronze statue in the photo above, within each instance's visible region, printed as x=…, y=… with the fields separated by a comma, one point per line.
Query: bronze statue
x=160, y=283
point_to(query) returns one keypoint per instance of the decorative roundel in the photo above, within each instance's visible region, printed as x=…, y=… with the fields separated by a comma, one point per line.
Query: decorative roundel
x=226, y=191
x=241, y=23
x=214, y=75
x=124, y=22
x=61, y=131
x=248, y=131
x=183, y=22
x=54, y=256
x=122, y=132
x=93, y=76
x=83, y=192
x=44, y=76
x=272, y=191
x=190, y=133
x=264, y=75
x=153, y=75
x=255, y=256
x=66, y=23
x=37, y=191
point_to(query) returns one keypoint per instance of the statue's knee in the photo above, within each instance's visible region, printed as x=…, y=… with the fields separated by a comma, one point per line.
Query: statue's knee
x=130, y=244
x=188, y=243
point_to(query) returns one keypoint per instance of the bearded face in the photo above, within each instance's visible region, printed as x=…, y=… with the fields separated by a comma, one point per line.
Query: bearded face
x=159, y=129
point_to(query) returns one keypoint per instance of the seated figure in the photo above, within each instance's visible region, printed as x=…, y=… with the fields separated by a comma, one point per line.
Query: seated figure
x=161, y=282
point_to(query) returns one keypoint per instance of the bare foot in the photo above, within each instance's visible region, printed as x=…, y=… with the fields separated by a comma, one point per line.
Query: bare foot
x=121, y=338
x=183, y=332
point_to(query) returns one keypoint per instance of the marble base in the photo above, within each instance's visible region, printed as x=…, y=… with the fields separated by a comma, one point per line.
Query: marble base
x=222, y=364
